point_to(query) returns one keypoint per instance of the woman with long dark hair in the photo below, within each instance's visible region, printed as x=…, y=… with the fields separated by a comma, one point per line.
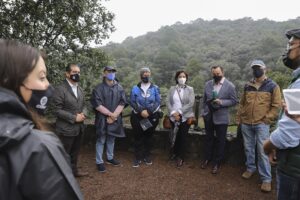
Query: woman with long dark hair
x=32, y=160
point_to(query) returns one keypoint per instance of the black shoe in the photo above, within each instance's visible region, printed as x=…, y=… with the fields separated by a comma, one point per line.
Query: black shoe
x=204, y=164
x=148, y=161
x=101, y=168
x=113, y=162
x=215, y=169
x=136, y=163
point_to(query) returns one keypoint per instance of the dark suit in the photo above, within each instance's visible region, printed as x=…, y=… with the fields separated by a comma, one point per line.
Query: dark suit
x=66, y=107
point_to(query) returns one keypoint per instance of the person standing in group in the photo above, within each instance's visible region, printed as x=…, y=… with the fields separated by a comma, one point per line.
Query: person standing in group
x=33, y=163
x=180, y=101
x=219, y=95
x=68, y=105
x=145, y=103
x=259, y=106
x=108, y=99
x=286, y=137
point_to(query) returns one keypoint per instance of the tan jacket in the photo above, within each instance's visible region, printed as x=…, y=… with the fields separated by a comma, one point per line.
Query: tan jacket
x=259, y=105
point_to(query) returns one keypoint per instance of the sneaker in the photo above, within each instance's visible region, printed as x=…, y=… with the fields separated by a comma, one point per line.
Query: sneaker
x=113, y=162
x=101, y=168
x=247, y=174
x=266, y=187
x=136, y=163
x=148, y=161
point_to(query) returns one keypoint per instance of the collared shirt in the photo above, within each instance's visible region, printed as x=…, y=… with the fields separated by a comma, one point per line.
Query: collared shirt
x=287, y=134
x=217, y=86
x=74, y=88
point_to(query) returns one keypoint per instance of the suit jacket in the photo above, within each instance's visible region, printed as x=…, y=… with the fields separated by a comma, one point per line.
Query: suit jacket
x=227, y=94
x=66, y=106
x=188, y=100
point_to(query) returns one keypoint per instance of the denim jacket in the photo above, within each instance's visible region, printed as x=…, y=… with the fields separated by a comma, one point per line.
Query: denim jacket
x=140, y=101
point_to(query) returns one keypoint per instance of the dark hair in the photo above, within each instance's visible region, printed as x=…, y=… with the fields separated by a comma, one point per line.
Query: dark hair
x=69, y=66
x=178, y=73
x=16, y=62
x=217, y=66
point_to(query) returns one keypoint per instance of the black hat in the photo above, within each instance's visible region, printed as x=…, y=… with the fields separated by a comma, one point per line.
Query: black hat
x=293, y=32
x=109, y=68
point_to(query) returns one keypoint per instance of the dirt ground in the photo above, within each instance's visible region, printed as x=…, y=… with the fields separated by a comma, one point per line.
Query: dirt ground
x=163, y=180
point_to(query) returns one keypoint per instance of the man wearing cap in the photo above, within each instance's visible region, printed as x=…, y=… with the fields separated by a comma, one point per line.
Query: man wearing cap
x=285, y=138
x=145, y=103
x=259, y=107
x=108, y=99
x=68, y=105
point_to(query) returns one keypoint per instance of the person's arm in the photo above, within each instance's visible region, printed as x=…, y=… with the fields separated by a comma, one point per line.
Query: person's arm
x=272, y=114
x=122, y=103
x=240, y=108
x=134, y=102
x=58, y=102
x=231, y=100
x=154, y=107
x=42, y=179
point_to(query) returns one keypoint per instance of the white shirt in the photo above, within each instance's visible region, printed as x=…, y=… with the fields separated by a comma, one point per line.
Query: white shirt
x=177, y=102
x=74, y=88
x=217, y=86
x=145, y=87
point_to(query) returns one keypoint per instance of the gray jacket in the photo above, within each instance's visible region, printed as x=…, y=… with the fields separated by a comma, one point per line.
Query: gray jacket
x=66, y=106
x=227, y=94
x=188, y=100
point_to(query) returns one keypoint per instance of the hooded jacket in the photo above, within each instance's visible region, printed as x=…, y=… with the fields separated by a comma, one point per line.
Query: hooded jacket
x=33, y=163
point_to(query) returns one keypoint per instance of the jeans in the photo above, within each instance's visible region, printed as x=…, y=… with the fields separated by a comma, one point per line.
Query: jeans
x=256, y=135
x=288, y=188
x=110, y=143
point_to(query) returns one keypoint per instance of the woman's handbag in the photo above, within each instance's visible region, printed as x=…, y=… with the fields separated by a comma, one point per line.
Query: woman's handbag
x=167, y=122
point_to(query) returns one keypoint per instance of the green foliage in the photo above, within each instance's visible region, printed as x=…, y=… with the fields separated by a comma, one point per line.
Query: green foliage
x=198, y=45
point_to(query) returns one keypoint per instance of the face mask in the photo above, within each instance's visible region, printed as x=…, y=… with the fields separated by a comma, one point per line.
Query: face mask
x=181, y=81
x=145, y=79
x=75, y=77
x=258, y=72
x=292, y=64
x=111, y=76
x=217, y=79
x=40, y=98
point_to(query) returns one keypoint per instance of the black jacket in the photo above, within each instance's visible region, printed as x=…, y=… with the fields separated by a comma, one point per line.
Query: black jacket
x=32, y=163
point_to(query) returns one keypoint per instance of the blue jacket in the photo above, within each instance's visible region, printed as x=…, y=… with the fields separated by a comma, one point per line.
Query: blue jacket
x=140, y=101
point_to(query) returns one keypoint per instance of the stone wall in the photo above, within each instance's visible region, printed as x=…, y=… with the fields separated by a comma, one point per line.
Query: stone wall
x=234, y=153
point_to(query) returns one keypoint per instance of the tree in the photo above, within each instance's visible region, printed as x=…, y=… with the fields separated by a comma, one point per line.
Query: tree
x=55, y=25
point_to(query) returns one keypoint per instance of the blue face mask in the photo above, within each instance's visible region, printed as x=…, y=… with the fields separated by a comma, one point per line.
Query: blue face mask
x=111, y=76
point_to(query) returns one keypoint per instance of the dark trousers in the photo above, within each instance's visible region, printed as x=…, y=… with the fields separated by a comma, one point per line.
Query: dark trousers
x=288, y=188
x=142, y=139
x=72, y=147
x=214, y=145
x=179, y=148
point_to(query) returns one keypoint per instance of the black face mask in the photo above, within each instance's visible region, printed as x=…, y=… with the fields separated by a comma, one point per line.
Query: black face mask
x=258, y=72
x=145, y=79
x=75, y=77
x=217, y=79
x=292, y=64
x=39, y=99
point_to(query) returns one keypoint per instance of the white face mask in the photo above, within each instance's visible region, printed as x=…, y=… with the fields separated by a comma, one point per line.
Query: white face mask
x=181, y=81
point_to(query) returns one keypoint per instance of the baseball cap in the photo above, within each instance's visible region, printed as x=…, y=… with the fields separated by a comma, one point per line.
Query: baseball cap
x=293, y=32
x=109, y=68
x=258, y=63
